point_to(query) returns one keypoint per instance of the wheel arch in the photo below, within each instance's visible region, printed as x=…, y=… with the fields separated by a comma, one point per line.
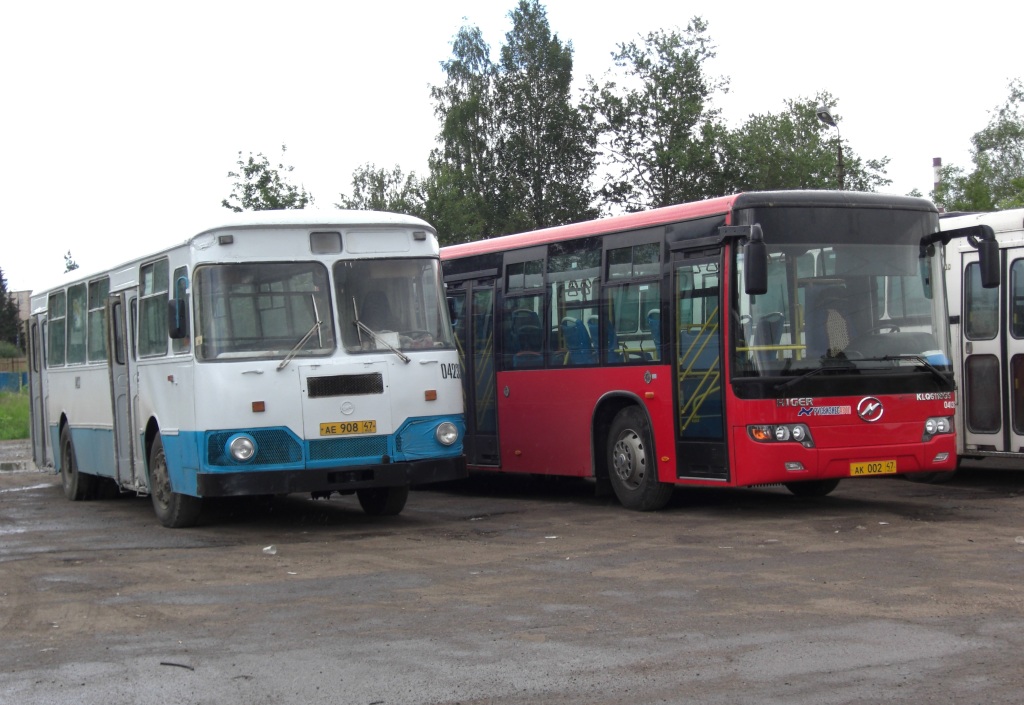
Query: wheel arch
x=605, y=411
x=152, y=431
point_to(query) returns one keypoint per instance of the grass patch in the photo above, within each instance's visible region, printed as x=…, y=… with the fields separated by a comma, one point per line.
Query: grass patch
x=13, y=415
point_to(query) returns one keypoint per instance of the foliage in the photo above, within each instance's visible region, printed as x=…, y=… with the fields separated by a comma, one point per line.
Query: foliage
x=9, y=350
x=14, y=415
x=794, y=150
x=10, y=318
x=461, y=189
x=660, y=134
x=70, y=264
x=546, y=144
x=514, y=152
x=997, y=151
x=383, y=190
x=260, y=187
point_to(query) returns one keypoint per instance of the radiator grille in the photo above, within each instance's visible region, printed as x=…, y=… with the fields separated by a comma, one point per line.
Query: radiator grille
x=345, y=385
x=344, y=448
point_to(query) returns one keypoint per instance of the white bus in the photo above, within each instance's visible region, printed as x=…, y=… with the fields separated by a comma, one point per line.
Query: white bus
x=274, y=352
x=987, y=329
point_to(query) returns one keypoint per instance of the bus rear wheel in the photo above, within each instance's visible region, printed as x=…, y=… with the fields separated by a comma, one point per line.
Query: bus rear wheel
x=174, y=510
x=812, y=488
x=77, y=485
x=632, y=465
x=383, y=501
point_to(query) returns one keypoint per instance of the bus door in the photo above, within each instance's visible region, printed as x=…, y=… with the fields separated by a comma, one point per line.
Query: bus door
x=700, y=413
x=473, y=312
x=37, y=396
x=123, y=388
x=992, y=345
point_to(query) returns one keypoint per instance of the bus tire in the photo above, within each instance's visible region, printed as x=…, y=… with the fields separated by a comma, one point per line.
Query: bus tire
x=383, y=501
x=77, y=485
x=632, y=463
x=174, y=510
x=812, y=488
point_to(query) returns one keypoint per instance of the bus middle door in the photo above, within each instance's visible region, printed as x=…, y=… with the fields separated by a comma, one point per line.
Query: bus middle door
x=130, y=470
x=474, y=331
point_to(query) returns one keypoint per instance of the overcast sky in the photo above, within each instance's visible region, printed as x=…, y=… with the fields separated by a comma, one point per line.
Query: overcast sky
x=120, y=120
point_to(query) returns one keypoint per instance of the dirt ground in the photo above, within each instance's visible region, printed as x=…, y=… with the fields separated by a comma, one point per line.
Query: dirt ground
x=512, y=590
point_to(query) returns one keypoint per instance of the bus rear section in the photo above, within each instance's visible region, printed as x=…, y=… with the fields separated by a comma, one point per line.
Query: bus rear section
x=835, y=365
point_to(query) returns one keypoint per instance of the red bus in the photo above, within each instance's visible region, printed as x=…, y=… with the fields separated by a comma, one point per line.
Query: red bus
x=793, y=338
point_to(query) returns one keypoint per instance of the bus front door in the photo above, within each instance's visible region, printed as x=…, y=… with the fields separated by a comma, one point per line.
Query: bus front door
x=474, y=331
x=992, y=354
x=130, y=470
x=700, y=423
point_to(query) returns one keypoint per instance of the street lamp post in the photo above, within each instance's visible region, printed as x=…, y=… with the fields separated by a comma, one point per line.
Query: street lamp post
x=826, y=117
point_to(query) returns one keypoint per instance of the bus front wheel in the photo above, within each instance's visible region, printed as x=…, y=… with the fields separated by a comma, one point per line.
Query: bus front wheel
x=383, y=501
x=77, y=485
x=174, y=510
x=632, y=463
x=812, y=488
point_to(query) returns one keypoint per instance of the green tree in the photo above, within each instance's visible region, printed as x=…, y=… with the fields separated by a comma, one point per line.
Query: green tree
x=661, y=136
x=546, y=144
x=514, y=152
x=383, y=190
x=997, y=151
x=260, y=187
x=461, y=190
x=795, y=150
x=10, y=319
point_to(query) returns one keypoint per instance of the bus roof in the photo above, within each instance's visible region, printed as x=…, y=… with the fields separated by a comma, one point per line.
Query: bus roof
x=999, y=221
x=309, y=216
x=227, y=220
x=685, y=211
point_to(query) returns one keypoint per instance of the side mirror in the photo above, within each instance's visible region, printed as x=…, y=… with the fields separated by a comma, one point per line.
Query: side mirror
x=988, y=262
x=755, y=264
x=177, y=318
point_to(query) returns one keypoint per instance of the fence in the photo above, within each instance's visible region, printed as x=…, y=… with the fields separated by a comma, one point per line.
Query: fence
x=13, y=364
x=13, y=374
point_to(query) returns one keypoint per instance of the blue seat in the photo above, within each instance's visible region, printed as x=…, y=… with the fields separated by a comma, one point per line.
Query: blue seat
x=654, y=325
x=610, y=342
x=577, y=342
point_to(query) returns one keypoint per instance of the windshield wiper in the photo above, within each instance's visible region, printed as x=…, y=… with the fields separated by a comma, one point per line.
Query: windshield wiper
x=834, y=365
x=920, y=359
x=362, y=327
x=309, y=334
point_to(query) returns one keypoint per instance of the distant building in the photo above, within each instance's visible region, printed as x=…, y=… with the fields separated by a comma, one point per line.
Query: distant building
x=23, y=299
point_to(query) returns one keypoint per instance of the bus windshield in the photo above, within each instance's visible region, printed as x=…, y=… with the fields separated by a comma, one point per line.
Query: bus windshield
x=262, y=310
x=854, y=306
x=395, y=304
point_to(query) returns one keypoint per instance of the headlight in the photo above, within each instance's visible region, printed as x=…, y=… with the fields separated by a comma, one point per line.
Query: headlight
x=446, y=433
x=937, y=425
x=782, y=433
x=242, y=448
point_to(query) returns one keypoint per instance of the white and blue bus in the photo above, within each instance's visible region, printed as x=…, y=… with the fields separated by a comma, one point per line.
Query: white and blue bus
x=275, y=352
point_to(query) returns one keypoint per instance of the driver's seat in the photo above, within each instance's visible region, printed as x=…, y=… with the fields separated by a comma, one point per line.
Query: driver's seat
x=829, y=327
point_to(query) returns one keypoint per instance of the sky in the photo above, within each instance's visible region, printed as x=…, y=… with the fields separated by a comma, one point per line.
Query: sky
x=119, y=121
